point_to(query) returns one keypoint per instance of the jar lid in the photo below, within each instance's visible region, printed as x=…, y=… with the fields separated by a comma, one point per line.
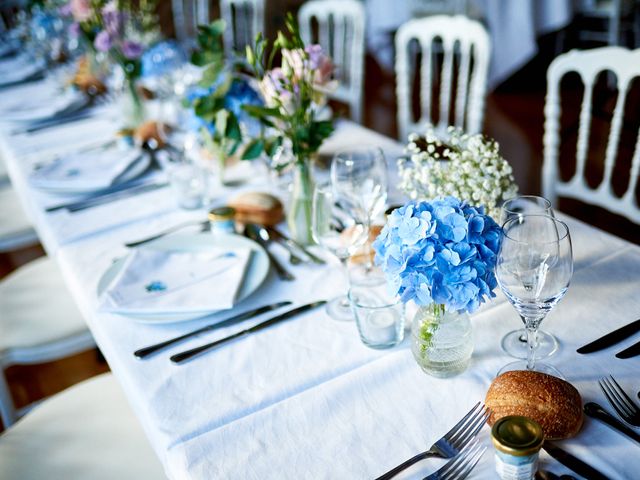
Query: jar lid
x=516, y=435
x=221, y=214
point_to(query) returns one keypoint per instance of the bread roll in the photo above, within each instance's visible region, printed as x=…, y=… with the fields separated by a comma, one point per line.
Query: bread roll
x=257, y=207
x=555, y=404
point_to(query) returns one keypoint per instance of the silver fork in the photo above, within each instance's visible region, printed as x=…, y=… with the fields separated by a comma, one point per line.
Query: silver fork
x=451, y=442
x=620, y=401
x=461, y=465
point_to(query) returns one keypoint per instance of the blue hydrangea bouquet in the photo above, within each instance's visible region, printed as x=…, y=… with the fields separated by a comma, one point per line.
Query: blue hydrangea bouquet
x=441, y=255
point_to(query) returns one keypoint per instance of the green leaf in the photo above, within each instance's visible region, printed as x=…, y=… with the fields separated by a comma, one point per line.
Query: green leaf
x=253, y=149
x=232, y=130
x=272, y=145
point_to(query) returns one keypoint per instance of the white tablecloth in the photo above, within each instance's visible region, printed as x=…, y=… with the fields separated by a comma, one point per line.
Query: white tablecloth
x=305, y=399
x=513, y=25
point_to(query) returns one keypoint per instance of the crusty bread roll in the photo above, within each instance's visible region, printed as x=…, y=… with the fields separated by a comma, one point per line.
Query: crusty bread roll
x=555, y=404
x=257, y=207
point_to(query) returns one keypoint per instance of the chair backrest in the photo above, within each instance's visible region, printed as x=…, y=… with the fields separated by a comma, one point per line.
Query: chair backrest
x=439, y=7
x=625, y=66
x=245, y=18
x=460, y=37
x=340, y=32
x=187, y=15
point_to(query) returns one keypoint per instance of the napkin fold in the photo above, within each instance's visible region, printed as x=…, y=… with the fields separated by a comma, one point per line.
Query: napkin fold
x=167, y=282
x=85, y=171
x=70, y=101
x=18, y=69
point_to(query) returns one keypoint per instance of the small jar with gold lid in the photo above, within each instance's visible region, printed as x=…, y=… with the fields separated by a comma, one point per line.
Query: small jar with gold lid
x=517, y=441
x=222, y=220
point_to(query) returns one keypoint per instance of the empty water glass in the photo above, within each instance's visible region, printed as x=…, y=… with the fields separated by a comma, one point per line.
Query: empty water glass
x=189, y=184
x=380, y=317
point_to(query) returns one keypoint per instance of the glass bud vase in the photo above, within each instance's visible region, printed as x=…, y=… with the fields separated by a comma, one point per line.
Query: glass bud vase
x=132, y=104
x=441, y=340
x=299, y=215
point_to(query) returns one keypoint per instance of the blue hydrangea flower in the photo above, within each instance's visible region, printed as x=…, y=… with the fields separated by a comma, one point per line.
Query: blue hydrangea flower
x=443, y=251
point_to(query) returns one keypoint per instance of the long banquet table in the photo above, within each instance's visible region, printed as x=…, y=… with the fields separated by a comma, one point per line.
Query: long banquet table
x=306, y=399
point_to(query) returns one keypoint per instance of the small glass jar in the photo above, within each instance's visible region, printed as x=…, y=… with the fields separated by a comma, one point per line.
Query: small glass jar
x=222, y=220
x=517, y=441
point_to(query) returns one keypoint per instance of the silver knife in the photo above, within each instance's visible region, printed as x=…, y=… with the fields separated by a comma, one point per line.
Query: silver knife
x=573, y=463
x=113, y=196
x=629, y=352
x=596, y=411
x=611, y=338
x=146, y=351
x=181, y=357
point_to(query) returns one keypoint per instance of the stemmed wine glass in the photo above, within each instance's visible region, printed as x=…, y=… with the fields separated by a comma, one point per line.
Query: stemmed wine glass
x=341, y=230
x=534, y=268
x=359, y=178
x=514, y=343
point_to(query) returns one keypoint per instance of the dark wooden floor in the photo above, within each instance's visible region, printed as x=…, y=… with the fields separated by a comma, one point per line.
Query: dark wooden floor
x=514, y=117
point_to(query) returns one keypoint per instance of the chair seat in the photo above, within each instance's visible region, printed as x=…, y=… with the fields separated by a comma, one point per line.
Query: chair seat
x=15, y=229
x=36, y=308
x=85, y=432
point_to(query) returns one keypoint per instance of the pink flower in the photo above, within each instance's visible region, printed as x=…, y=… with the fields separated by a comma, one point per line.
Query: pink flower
x=295, y=64
x=320, y=63
x=275, y=89
x=81, y=10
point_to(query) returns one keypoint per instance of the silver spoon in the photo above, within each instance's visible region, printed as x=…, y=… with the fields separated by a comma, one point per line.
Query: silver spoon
x=264, y=234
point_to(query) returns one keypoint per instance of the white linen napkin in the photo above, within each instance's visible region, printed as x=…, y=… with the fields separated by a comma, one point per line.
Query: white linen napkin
x=155, y=281
x=90, y=170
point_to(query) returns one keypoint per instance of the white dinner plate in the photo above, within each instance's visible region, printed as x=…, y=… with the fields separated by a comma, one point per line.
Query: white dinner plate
x=136, y=170
x=255, y=274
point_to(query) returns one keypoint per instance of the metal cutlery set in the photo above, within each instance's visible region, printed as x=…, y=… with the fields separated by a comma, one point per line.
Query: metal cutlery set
x=186, y=355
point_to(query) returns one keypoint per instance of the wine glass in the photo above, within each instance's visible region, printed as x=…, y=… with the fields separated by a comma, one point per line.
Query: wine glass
x=534, y=268
x=359, y=178
x=341, y=230
x=514, y=343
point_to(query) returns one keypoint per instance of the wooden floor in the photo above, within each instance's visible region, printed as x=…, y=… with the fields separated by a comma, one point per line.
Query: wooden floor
x=514, y=117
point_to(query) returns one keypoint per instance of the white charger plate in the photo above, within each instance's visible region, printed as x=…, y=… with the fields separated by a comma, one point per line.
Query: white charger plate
x=255, y=274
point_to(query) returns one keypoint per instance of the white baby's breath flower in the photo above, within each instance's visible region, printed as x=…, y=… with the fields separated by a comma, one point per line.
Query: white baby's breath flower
x=465, y=166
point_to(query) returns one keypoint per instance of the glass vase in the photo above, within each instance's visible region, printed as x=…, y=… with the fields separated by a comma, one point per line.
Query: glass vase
x=301, y=198
x=441, y=340
x=132, y=104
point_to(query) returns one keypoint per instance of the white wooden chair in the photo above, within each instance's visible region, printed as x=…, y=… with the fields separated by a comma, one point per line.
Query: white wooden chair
x=244, y=18
x=613, y=12
x=340, y=32
x=16, y=230
x=460, y=37
x=187, y=15
x=39, y=322
x=625, y=66
x=85, y=432
x=438, y=7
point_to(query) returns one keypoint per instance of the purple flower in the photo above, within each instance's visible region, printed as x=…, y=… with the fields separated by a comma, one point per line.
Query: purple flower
x=74, y=29
x=112, y=18
x=103, y=41
x=65, y=10
x=132, y=50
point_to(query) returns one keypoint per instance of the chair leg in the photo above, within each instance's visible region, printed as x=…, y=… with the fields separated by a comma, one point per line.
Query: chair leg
x=7, y=409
